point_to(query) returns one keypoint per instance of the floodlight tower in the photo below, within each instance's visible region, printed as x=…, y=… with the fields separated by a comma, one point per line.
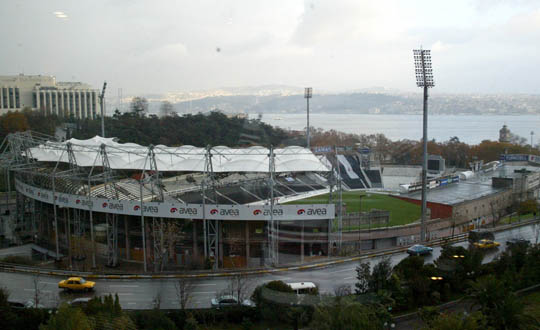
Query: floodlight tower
x=102, y=104
x=424, y=79
x=308, y=93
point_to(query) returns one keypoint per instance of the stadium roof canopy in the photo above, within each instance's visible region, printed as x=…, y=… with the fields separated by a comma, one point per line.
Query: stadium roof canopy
x=131, y=156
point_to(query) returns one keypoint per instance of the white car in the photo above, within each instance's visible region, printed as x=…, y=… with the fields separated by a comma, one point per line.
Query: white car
x=31, y=304
x=228, y=301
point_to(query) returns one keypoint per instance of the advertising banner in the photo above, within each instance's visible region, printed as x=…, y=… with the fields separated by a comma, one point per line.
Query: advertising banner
x=180, y=210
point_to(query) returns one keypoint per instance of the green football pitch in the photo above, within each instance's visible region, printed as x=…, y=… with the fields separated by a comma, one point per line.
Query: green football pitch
x=401, y=212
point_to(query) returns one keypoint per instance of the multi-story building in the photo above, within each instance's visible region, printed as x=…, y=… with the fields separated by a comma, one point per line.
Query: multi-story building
x=43, y=93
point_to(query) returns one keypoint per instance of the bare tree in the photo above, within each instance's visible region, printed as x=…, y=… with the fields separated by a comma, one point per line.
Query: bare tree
x=184, y=291
x=38, y=289
x=139, y=106
x=239, y=287
x=342, y=290
x=497, y=212
x=158, y=298
x=156, y=301
x=166, y=108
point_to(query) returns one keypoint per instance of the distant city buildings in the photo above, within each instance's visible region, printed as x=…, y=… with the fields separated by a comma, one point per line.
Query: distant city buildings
x=44, y=93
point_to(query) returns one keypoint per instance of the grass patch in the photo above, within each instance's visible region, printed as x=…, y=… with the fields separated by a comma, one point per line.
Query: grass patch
x=516, y=218
x=401, y=212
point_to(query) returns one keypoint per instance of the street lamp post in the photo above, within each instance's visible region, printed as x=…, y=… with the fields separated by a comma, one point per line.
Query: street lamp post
x=424, y=79
x=308, y=93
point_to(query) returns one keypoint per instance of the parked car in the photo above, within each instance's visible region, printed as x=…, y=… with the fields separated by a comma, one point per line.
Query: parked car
x=228, y=301
x=16, y=304
x=419, y=250
x=486, y=244
x=76, y=284
x=517, y=241
x=476, y=235
x=80, y=302
x=31, y=304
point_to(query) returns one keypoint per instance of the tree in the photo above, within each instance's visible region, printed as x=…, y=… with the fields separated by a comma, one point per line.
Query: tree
x=38, y=289
x=14, y=122
x=373, y=281
x=239, y=287
x=343, y=314
x=166, y=109
x=455, y=321
x=68, y=318
x=139, y=106
x=501, y=306
x=184, y=291
x=363, y=275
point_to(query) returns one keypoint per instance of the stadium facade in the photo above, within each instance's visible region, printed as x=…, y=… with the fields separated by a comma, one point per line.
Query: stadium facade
x=164, y=205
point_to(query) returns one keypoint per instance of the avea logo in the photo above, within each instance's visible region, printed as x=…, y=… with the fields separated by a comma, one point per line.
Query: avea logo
x=320, y=211
x=257, y=212
x=174, y=210
x=301, y=211
x=104, y=205
x=78, y=201
x=214, y=211
x=136, y=208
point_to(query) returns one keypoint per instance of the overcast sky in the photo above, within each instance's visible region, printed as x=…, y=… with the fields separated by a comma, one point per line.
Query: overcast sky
x=478, y=46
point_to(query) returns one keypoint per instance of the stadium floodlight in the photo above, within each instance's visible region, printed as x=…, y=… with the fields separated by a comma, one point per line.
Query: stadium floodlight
x=308, y=93
x=424, y=79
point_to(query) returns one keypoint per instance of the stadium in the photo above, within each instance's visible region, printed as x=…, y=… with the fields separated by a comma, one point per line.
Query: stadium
x=98, y=201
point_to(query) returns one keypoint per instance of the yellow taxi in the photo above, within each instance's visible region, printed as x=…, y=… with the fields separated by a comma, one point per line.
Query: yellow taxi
x=76, y=284
x=486, y=244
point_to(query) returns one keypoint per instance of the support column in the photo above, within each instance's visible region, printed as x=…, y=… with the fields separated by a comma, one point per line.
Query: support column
x=302, y=243
x=1, y=97
x=57, y=107
x=8, y=98
x=55, y=219
x=219, y=228
x=126, y=233
x=195, y=242
x=247, y=243
x=80, y=115
x=49, y=93
x=85, y=105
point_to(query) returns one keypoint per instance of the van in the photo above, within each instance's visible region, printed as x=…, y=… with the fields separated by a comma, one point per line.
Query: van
x=303, y=287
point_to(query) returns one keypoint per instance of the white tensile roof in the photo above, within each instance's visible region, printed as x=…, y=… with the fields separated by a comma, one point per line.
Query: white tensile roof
x=185, y=158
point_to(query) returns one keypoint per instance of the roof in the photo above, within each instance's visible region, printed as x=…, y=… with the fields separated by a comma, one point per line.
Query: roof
x=74, y=279
x=472, y=188
x=187, y=158
x=302, y=285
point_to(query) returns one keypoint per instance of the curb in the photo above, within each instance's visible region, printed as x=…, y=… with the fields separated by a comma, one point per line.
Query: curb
x=439, y=241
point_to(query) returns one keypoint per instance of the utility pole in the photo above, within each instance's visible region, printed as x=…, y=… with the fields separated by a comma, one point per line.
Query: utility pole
x=102, y=104
x=424, y=79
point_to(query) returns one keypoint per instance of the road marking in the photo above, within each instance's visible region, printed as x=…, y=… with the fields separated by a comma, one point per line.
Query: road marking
x=48, y=282
x=343, y=270
x=205, y=292
x=204, y=284
x=132, y=303
x=123, y=286
x=44, y=291
x=125, y=294
x=348, y=278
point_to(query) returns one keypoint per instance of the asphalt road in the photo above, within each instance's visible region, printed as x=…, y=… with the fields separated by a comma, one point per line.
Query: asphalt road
x=142, y=294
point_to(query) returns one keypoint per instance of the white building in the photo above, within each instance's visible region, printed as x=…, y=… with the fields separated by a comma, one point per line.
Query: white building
x=66, y=99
